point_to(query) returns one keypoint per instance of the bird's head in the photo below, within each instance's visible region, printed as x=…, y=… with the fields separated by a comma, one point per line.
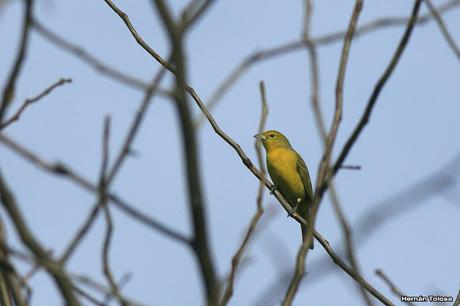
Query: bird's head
x=273, y=140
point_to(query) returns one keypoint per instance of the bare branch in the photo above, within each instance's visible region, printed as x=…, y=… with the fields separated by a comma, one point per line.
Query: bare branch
x=247, y=162
x=322, y=40
x=60, y=277
x=392, y=286
x=139, y=39
x=443, y=28
x=377, y=89
x=10, y=86
x=348, y=237
x=62, y=170
x=378, y=214
x=324, y=165
x=10, y=280
x=197, y=205
x=457, y=300
x=91, y=60
x=259, y=210
x=135, y=125
x=32, y=100
x=194, y=11
x=122, y=155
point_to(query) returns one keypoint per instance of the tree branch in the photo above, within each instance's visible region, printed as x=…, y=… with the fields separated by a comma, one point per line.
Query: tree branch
x=391, y=285
x=322, y=40
x=62, y=170
x=60, y=277
x=197, y=207
x=10, y=86
x=259, y=210
x=30, y=101
x=377, y=89
x=443, y=28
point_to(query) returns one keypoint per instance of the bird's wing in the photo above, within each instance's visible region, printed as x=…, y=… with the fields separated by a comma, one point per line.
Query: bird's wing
x=305, y=176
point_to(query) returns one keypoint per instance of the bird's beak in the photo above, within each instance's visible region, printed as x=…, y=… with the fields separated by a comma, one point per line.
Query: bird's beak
x=260, y=137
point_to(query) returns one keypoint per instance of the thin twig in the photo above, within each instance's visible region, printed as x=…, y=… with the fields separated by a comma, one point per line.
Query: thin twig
x=194, y=11
x=378, y=88
x=60, y=277
x=322, y=40
x=299, y=270
x=318, y=115
x=247, y=162
x=32, y=100
x=63, y=170
x=90, y=59
x=105, y=257
x=350, y=167
x=10, y=280
x=122, y=155
x=391, y=285
x=259, y=209
x=103, y=200
x=348, y=238
x=324, y=165
x=197, y=205
x=138, y=38
x=10, y=86
x=443, y=28
x=457, y=300
x=135, y=125
x=377, y=215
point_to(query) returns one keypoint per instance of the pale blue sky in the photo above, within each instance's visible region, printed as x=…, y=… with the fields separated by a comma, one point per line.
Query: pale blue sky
x=412, y=132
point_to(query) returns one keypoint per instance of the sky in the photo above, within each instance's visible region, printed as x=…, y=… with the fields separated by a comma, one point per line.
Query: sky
x=411, y=134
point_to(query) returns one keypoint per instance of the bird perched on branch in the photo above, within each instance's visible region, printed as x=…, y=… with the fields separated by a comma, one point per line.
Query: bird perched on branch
x=289, y=173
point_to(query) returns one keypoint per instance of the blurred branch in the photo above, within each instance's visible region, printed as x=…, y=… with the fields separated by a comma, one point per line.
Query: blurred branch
x=194, y=11
x=259, y=210
x=103, y=201
x=53, y=268
x=10, y=86
x=348, y=238
x=391, y=285
x=318, y=115
x=91, y=60
x=10, y=291
x=322, y=40
x=457, y=300
x=64, y=171
x=299, y=272
x=247, y=162
x=121, y=157
x=443, y=28
x=135, y=125
x=437, y=183
x=197, y=205
x=350, y=167
x=30, y=101
x=377, y=89
x=329, y=143
x=137, y=37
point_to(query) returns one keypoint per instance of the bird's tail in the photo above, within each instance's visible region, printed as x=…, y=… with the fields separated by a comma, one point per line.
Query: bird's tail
x=304, y=211
x=304, y=235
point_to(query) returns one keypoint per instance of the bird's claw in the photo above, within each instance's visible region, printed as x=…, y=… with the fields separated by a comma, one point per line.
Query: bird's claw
x=272, y=189
x=292, y=211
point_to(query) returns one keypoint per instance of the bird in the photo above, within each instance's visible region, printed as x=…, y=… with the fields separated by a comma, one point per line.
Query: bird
x=289, y=174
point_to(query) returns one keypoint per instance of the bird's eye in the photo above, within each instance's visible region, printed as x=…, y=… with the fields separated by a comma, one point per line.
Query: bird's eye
x=272, y=135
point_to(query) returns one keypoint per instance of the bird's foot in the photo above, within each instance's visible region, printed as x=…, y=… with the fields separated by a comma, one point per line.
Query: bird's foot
x=292, y=211
x=272, y=189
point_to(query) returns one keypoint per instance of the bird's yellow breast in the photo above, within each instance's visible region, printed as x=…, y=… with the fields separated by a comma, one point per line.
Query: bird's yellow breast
x=283, y=170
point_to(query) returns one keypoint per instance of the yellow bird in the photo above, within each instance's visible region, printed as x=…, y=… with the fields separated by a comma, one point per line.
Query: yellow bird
x=289, y=173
